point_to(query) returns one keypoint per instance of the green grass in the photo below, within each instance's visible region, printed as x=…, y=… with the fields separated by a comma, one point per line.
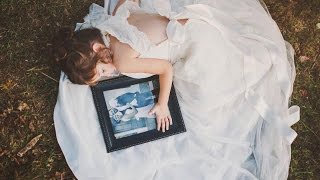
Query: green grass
x=27, y=75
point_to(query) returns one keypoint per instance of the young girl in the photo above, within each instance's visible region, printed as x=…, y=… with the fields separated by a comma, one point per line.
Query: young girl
x=85, y=58
x=229, y=64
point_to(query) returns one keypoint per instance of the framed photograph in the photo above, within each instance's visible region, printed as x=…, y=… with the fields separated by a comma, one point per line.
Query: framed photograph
x=123, y=103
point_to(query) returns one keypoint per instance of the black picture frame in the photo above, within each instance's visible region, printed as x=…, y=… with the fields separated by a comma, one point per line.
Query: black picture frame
x=107, y=117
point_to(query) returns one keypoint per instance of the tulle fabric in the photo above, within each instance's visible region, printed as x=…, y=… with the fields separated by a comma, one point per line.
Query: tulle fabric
x=233, y=81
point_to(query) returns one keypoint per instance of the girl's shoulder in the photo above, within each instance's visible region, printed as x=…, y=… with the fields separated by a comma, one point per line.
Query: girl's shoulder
x=121, y=51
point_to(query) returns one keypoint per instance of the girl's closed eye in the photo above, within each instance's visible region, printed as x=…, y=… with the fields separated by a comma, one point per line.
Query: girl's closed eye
x=104, y=72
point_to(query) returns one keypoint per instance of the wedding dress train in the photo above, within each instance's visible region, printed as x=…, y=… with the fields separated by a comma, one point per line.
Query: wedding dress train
x=233, y=75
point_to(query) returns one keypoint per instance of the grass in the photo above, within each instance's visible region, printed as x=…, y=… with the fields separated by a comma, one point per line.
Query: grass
x=28, y=87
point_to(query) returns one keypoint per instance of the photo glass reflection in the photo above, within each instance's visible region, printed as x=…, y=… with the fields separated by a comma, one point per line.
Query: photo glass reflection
x=129, y=107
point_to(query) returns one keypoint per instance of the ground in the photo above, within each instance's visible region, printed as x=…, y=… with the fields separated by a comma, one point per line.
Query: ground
x=28, y=83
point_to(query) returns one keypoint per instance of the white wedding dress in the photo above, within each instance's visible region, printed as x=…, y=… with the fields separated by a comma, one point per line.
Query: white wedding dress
x=233, y=74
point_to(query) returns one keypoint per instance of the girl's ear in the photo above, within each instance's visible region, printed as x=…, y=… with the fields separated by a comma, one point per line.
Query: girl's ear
x=97, y=46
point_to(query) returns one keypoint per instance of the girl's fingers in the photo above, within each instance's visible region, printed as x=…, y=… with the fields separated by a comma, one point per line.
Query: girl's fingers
x=158, y=123
x=170, y=120
x=163, y=125
x=167, y=123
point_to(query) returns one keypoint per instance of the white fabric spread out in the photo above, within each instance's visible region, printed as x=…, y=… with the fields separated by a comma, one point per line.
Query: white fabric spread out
x=233, y=74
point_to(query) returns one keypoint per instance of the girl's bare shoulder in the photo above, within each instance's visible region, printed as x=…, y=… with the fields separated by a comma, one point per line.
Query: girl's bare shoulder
x=121, y=51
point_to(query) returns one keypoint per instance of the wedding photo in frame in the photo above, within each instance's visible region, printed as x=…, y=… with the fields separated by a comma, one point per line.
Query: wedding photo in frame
x=123, y=103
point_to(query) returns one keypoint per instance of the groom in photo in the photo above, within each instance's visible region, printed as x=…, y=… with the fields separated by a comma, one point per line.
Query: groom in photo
x=131, y=105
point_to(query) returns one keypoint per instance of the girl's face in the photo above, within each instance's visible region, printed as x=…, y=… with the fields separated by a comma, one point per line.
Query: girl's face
x=105, y=70
x=106, y=67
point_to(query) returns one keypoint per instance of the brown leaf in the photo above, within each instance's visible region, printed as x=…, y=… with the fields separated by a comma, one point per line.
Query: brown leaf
x=3, y=152
x=22, y=119
x=303, y=92
x=31, y=127
x=30, y=144
x=63, y=175
x=66, y=12
x=4, y=115
x=60, y=175
x=15, y=160
x=57, y=174
x=304, y=59
x=23, y=106
x=35, y=152
x=8, y=110
x=8, y=85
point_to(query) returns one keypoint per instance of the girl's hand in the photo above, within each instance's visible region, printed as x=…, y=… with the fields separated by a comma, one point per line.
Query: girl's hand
x=163, y=116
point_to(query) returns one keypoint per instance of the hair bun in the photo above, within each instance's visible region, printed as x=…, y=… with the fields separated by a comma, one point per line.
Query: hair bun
x=61, y=43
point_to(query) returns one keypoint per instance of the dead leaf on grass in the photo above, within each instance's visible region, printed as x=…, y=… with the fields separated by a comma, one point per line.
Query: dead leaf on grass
x=15, y=160
x=8, y=110
x=3, y=115
x=31, y=127
x=66, y=12
x=303, y=92
x=299, y=25
x=23, y=106
x=36, y=152
x=304, y=59
x=32, y=143
x=22, y=119
x=60, y=175
x=3, y=152
x=8, y=85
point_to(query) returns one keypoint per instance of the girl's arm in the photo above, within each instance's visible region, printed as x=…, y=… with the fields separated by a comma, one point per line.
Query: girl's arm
x=129, y=63
x=153, y=66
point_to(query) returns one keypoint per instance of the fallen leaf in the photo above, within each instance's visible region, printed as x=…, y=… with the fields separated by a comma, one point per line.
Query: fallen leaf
x=303, y=92
x=4, y=115
x=303, y=59
x=318, y=25
x=63, y=175
x=22, y=119
x=22, y=106
x=66, y=12
x=3, y=152
x=299, y=25
x=16, y=160
x=60, y=175
x=50, y=160
x=57, y=174
x=32, y=143
x=8, y=110
x=36, y=152
x=8, y=85
x=31, y=127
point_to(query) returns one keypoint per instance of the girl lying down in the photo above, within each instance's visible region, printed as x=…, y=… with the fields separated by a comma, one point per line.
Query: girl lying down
x=233, y=78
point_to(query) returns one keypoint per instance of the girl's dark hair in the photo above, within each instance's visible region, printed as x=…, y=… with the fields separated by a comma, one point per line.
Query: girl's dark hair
x=73, y=51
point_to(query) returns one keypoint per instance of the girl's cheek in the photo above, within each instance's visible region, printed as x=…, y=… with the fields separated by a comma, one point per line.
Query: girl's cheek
x=110, y=69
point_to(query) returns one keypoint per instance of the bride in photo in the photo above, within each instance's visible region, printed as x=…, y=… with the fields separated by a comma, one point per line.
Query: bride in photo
x=233, y=73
